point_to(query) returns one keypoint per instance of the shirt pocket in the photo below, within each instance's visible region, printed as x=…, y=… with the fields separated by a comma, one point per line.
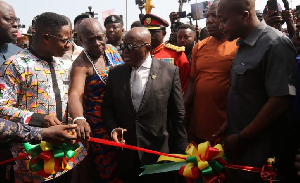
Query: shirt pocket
x=239, y=71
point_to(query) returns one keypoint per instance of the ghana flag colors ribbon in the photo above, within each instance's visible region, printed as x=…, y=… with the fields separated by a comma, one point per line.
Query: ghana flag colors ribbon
x=203, y=163
x=47, y=159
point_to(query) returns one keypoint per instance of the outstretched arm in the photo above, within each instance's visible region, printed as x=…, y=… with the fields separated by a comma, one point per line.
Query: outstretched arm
x=78, y=76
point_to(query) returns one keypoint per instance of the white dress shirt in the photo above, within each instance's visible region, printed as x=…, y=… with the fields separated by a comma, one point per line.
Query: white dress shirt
x=144, y=70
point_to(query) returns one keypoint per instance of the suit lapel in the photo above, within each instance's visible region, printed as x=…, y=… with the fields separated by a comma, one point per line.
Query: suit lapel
x=127, y=87
x=152, y=80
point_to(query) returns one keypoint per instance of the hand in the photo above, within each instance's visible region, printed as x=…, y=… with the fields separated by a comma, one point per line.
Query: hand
x=287, y=16
x=117, y=135
x=234, y=149
x=83, y=129
x=173, y=16
x=297, y=162
x=57, y=134
x=221, y=133
x=50, y=120
x=273, y=19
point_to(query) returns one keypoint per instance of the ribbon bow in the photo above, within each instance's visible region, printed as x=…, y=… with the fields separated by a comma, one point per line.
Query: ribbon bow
x=202, y=164
x=47, y=159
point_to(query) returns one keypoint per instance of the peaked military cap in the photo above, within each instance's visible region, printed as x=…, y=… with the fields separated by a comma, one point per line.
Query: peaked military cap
x=151, y=21
x=113, y=19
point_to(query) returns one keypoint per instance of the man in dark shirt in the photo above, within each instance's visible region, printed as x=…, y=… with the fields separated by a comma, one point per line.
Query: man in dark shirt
x=8, y=31
x=263, y=79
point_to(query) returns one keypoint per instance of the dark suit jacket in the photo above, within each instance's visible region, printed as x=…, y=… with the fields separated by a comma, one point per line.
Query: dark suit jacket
x=146, y=128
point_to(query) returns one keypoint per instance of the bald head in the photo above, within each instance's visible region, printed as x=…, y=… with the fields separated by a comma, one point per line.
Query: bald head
x=140, y=34
x=238, y=6
x=8, y=24
x=4, y=4
x=137, y=46
x=238, y=18
x=88, y=26
x=92, y=37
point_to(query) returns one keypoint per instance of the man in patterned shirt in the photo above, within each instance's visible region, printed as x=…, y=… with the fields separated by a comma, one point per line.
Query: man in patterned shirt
x=34, y=87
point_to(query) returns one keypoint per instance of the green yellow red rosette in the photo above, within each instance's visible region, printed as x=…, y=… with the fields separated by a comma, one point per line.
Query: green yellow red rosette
x=203, y=164
x=47, y=159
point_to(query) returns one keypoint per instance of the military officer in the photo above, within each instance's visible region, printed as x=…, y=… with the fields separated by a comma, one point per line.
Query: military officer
x=166, y=52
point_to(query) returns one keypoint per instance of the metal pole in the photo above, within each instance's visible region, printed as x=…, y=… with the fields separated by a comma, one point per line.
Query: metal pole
x=126, y=15
x=196, y=13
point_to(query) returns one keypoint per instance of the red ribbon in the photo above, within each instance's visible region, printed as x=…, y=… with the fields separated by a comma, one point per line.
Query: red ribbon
x=116, y=144
x=121, y=145
x=244, y=168
x=21, y=156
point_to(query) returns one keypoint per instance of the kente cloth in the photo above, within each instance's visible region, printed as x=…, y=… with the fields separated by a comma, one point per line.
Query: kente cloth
x=27, y=89
x=102, y=156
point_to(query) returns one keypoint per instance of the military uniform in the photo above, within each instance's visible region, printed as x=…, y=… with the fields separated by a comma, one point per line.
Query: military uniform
x=174, y=55
x=168, y=52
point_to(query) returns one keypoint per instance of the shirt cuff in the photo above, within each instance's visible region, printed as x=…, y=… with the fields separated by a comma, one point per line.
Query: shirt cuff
x=36, y=119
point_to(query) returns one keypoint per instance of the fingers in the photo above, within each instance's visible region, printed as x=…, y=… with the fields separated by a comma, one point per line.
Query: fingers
x=53, y=121
x=87, y=133
x=115, y=136
x=78, y=131
x=70, y=126
x=56, y=121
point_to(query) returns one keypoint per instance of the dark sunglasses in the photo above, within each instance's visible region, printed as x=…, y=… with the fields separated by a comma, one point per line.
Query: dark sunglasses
x=131, y=47
x=64, y=41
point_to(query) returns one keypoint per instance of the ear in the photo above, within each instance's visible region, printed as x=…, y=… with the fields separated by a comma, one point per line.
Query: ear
x=246, y=14
x=79, y=38
x=149, y=47
x=164, y=33
x=45, y=38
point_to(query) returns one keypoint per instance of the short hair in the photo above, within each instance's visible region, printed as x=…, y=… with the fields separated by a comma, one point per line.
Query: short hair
x=34, y=20
x=136, y=24
x=50, y=22
x=80, y=17
x=187, y=26
x=69, y=21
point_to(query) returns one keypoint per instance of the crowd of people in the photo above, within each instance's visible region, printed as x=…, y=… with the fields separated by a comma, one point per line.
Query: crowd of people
x=234, y=82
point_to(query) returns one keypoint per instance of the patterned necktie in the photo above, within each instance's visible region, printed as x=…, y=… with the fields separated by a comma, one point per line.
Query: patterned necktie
x=136, y=90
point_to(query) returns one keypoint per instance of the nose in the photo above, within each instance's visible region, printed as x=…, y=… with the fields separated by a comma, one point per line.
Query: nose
x=125, y=50
x=180, y=41
x=110, y=29
x=209, y=19
x=68, y=45
x=15, y=24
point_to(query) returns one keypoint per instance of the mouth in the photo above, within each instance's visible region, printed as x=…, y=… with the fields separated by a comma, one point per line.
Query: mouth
x=210, y=28
x=126, y=58
x=15, y=33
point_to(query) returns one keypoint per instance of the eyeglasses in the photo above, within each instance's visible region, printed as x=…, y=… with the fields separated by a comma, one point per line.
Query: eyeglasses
x=64, y=41
x=131, y=47
x=12, y=20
